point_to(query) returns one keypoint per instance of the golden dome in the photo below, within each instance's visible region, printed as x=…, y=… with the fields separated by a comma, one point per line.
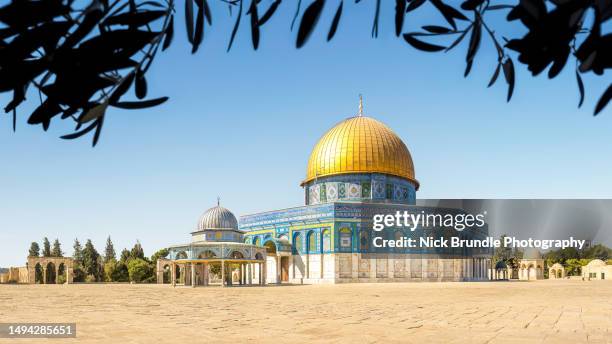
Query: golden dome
x=360, y=145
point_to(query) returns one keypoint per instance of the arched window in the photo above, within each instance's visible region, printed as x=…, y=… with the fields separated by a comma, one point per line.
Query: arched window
x=270, y=247
x=236, y=255
x=297, y=243
x=326, y=239
x=346, y=240
x=312, y=242
x=364, y=241
x=207, y=254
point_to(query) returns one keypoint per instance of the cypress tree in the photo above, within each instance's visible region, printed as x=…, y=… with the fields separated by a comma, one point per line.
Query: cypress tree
x=79, y=275
x=46, y=248
x=109, y=251
x=78, y=251
x=125, y=255
x=91, y=265
x=34, y=250
x=57, y=249
x=137, y=251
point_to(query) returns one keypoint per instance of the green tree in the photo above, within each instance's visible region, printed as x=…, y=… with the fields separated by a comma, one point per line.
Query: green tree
x=598, y=252
x=46, y=248
x=137, y=251
x=34, y=250
x=125, y=255
x=163, y=253
x=561, y=256
x=91, y=258
x=77, y=255
x=503, y=253
x=57, y=249
x=121, y=273
x=139, y=270
x=110, y=266
x=109, y=251
x=573, y=266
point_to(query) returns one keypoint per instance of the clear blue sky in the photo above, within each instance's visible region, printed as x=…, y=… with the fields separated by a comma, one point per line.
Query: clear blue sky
x=241, y=125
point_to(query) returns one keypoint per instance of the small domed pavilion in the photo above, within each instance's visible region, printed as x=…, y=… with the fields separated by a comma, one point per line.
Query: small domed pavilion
x=531, y=266
x=556, y=271
x=217, y=245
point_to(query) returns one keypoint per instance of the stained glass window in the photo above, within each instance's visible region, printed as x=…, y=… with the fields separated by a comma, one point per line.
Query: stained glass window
x=312, y=242
x=326, y=240
x=345, y=237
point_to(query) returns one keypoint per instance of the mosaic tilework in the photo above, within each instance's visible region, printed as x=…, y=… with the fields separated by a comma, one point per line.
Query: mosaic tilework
x=361, y=187
x=332, y=192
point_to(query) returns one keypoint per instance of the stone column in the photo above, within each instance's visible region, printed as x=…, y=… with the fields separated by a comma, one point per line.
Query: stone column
x=193, y=275
x=57, y=274
x=278, y=269
x=159, y=272
x=222, y=273
x=44, y=279
x=264, y=273
x=250, y=273
x=173, y=274
x=70, y=274
x=205, y=277
x=260, y=273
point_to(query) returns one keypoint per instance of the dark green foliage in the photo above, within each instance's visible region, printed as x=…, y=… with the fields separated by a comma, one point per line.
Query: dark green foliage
x=507, y=255
x=79, y=55
x=34, y=250
x=125, y=255
x=91, y=261
x=598, y=252
x=121, y=273
x=77, y=255
x=46, y=252
x=137, y=252
x=109, y=251
x=139, y=270
x=56, y=251
x=573, y=259
x=83, y=57
x=163, y=253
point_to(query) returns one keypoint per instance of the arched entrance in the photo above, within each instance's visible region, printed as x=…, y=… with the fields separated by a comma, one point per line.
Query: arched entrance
x=61, y=273
x=38, y=279
x=51, y=276
x=166, y=276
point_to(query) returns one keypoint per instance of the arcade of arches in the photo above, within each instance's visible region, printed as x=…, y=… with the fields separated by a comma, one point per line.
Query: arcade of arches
x=50, y=270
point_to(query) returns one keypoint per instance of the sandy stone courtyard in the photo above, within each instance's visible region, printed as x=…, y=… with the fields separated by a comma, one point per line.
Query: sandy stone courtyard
x=485, y=312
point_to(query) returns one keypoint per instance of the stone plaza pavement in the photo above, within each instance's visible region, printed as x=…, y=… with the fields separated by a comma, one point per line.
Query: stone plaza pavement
x=476, y=312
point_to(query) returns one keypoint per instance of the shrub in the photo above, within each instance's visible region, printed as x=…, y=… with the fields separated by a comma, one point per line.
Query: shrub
x=139, y=270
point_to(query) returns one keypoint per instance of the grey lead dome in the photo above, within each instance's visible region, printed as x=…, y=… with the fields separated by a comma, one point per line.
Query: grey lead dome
x=217, y=218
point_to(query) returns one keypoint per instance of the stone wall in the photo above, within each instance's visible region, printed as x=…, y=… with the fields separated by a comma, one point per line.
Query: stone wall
x=15, y=275
x=357, y=267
